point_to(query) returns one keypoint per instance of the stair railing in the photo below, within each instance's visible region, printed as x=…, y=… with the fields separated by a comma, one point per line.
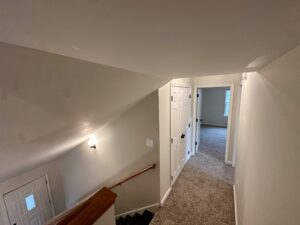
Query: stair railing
x=87, y=211
x=133, y=175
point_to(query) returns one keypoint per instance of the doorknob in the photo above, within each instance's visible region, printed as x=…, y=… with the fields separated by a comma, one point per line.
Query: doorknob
x=182, y=136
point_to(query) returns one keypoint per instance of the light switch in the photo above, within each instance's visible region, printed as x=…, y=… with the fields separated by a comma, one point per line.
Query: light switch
x=149, y=143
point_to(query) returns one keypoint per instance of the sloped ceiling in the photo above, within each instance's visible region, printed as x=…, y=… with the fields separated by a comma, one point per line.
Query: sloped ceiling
x=63, y=83
x=50, y=103
x=162, y=37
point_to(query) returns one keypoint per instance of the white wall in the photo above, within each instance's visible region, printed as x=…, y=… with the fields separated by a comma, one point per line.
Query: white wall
x=55, y=183
x=224, y=80
x=121, y=151
x=108, y=218
x=213, y=105
x=268, y=158
x=50, y=103
x=165, y=135
x=164, y=138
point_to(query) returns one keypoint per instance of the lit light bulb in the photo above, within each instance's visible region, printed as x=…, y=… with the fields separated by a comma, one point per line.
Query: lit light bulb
x=92, y=141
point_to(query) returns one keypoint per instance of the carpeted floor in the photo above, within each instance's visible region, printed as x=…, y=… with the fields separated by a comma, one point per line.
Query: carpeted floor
x=202, y=194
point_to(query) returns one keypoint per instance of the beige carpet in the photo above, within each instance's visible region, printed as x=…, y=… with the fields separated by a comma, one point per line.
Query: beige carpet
x=202, y=195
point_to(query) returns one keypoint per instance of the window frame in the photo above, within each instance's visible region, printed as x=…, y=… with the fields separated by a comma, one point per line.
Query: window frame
x=227, y=103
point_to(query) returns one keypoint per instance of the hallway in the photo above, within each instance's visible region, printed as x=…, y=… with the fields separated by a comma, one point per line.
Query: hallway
x=203, y=194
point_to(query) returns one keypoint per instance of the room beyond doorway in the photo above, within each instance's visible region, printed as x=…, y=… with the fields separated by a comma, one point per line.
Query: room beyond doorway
x=212, y=150
x=213, y=112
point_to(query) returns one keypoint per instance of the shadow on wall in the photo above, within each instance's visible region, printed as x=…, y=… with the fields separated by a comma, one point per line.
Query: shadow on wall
x=268, y=150
x=121, y=151
x=51, y=103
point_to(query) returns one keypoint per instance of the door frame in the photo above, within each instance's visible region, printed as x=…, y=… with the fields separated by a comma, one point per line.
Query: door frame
x=17, y=185
x=196, y=146
x=229, y=122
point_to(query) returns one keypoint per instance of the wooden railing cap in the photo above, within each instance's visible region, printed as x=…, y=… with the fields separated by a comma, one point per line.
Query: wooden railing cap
x=88, y=211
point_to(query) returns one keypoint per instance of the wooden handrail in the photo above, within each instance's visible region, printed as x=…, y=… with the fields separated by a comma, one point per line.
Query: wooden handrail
x=133, y=175
x=88, y=211
x=95, y=209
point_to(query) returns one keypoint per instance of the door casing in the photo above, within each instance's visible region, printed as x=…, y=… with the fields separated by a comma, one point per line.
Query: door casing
x=229, y=123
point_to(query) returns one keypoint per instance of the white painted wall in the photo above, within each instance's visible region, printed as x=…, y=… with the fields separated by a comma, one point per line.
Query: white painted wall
x=55, y=183
x=164, y=140
x=50, y=103
x=224, y=80
x=268, y=159
x=213, y=104
x=165, y=136
x=121, y=151
x=108, y=218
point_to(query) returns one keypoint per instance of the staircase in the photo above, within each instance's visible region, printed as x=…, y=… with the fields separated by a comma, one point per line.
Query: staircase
x=137, y=219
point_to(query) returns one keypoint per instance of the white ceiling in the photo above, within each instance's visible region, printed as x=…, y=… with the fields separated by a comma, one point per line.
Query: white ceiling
x=160, y=37
x=49, y=103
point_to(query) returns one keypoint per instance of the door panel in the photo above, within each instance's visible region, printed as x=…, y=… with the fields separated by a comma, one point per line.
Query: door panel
x=29, y=204
x=180, y=129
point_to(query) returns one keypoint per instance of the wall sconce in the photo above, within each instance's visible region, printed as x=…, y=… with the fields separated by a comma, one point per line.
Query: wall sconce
x=92, y=141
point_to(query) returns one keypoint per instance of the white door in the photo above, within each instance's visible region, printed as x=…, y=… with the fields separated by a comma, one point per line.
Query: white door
x=29, y=204
x=198, y=118
x=180, y=128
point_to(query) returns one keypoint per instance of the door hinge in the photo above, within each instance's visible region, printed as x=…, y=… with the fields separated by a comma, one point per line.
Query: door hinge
x=190, y=96
x=172, y=98
x=171, y=140
x=188, y=152
x=46, y=181
x=189, y=125
x=171, y=177
x=197, y=120
x=196, y=143
x=197, y=95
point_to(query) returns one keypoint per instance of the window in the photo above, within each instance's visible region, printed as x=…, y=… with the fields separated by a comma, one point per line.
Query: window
x=227, y=103
x=30, y=202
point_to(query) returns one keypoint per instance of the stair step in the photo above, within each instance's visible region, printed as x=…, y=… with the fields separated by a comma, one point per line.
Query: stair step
x=140, y=221
x=120, y=221
x=137, y=219
x=147, y=217
x=128, y=219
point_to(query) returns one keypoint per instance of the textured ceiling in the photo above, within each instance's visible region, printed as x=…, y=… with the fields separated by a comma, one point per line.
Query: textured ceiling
x=160, y=37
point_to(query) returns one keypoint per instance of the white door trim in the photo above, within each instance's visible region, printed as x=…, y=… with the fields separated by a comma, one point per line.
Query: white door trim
x=50, y=194
x=229, y=123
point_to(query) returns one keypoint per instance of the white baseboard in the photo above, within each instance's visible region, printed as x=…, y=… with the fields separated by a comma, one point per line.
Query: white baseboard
x=228, y=162
x=214, y=124
x=152, y=208
x=165, y=197
x=235, y=206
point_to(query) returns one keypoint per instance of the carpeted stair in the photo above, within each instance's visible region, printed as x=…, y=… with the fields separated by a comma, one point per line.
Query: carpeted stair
x=137, y=219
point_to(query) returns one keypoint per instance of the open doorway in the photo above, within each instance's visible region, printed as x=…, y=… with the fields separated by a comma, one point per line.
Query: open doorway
x=213, y=120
